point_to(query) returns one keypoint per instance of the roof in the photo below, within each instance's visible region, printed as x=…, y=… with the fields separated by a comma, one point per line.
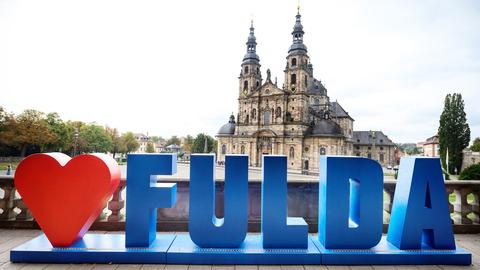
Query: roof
x=173, y=146
x=228, y=128
x=338, y=110
x=432, y=140
x=325, y=128
x=315, y=87
x=371, y=137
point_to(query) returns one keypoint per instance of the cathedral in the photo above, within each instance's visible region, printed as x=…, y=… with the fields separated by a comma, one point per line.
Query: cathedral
x=296, y=119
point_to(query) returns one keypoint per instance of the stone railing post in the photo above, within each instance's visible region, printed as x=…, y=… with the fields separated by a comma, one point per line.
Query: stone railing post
x=7, y=203
x=117, y=203
x=389, y=189
x=461, y=207
x=25, y=213
x=465, y=212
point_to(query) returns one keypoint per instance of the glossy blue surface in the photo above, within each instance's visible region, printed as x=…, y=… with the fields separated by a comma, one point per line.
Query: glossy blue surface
x=350, y=202
x=93, y=248
x=184, y=251
x=278, y=230
x=420, y=213
x=180, y=249
x=206, y=230
x=385, y=253
x=145, y=195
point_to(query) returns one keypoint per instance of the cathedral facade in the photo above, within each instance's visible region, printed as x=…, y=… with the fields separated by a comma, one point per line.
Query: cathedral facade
x=296, y=119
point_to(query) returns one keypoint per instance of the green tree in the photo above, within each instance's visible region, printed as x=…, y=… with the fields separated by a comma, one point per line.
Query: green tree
x=116, y=140
x=59, y=130
x=199, y=144
x=7, y=126
x=128, y=143
x=470, y=173
x=476, y=145
x=454, y=132
x=95, y=139
x=7, y=122
x=173, y=140
x=30, y=129
x=413, y=151
x=156, y=139
x=188, y=143
x=150, y=148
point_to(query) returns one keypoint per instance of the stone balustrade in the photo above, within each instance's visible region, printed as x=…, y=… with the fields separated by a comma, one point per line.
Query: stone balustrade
x=302, y=202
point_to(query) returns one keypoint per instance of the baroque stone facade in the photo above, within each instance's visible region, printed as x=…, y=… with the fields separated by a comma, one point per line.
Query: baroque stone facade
x=296, y=119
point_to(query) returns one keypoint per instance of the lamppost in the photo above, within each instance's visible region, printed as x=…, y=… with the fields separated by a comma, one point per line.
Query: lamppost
x=75, y=136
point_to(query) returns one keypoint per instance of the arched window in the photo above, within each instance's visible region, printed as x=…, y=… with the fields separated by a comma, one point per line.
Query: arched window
x=258, y=83
x=278, y=112
x=316, y=101
x=273, y=115
x=224, y=149
x=242, y=149
x=305, y=79
x=266, y=117
x=293, y=79
x=247, y=119
x=254, y=114
x=294, y=62
x=292, y=152
x=245, y=85
x=258, y=70
x=246, y=70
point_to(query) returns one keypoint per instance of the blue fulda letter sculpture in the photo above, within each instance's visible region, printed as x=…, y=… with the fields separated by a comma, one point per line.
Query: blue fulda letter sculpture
x=278, y=230
x=206, y=230
x=145, y=195
x=420, y=216
x=350, y=202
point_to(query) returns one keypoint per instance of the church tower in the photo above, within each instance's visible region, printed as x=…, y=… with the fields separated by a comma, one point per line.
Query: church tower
x=250, y=76
x=298, y=70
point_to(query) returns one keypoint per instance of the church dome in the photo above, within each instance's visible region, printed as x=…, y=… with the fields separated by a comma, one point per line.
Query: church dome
x=228, y=128
x=326, y=127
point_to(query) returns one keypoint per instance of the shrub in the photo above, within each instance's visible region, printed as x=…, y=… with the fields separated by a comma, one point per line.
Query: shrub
x=470, y=173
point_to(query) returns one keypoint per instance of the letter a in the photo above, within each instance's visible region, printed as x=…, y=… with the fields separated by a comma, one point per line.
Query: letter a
x=420, y=214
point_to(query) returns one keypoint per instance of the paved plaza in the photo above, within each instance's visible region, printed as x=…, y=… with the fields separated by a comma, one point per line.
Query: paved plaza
x=12, y=238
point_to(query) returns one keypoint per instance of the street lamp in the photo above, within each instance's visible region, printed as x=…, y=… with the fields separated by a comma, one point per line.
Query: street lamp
x=75, y=136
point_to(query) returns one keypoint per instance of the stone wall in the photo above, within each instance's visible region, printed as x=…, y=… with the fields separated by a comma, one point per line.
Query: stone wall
x=376, y=152
x=470, y=158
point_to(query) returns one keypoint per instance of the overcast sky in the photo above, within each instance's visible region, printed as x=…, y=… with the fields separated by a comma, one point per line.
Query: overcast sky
x=171, y=67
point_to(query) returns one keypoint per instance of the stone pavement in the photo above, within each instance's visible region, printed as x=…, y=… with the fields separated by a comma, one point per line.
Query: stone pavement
x=12, y=238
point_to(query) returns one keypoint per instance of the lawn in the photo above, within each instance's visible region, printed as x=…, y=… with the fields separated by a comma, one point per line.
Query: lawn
x=3, y=165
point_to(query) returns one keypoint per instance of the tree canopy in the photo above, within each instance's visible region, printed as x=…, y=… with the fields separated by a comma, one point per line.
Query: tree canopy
x=199, y=144
x=453, y=132
x=128, y=143
x=150, y=148
x=33, y=131
x=173, y=140
x=476, y=145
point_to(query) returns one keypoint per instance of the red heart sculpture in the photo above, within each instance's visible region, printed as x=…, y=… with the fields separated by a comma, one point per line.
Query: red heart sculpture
x=66, y=195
